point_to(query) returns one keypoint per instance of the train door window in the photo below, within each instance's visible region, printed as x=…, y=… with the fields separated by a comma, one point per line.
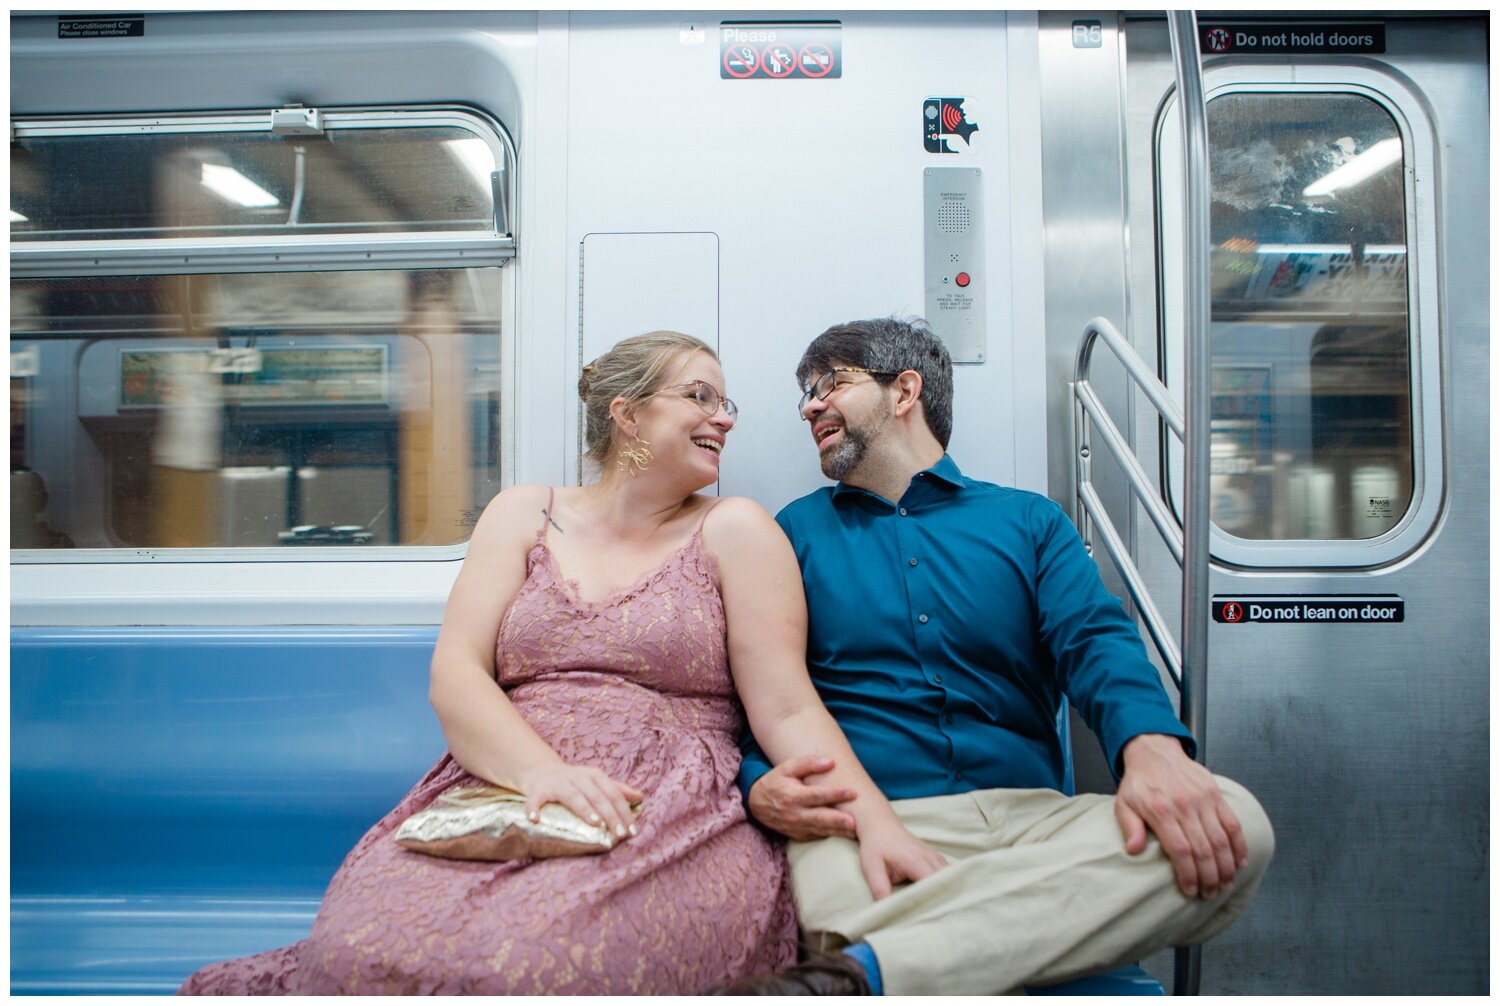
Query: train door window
x=1316, y=447
x=226, y=338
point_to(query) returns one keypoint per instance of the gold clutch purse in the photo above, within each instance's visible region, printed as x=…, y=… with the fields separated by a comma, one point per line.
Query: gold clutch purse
x=490, y=823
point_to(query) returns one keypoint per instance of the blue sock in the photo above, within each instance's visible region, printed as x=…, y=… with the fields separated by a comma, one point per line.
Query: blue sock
x=864, y=954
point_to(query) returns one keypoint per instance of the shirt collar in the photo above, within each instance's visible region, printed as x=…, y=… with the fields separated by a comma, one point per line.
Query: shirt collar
x=945, y=471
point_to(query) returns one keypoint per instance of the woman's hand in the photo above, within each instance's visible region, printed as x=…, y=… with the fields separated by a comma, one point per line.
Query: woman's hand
x=587, y=792
x=889, y=855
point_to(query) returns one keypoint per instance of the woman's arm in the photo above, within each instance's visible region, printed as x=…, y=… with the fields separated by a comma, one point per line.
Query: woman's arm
x=485, y=733
x=767, y=615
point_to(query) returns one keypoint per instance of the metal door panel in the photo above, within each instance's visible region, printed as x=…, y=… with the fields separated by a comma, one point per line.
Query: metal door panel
x=1367, y=744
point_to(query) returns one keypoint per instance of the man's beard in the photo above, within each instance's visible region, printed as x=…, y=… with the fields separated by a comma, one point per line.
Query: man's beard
x=839, y=463
x=852, y=450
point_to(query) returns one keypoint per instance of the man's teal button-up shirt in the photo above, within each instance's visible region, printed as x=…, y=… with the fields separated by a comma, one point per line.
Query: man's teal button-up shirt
x=944, y=629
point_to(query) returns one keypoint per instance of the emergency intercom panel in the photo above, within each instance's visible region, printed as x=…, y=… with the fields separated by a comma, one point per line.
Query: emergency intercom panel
x=953, y=259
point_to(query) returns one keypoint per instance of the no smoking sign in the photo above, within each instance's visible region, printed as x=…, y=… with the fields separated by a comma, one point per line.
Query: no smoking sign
x=763, y=50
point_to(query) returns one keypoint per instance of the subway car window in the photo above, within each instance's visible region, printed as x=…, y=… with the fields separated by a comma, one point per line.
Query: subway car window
x=264, y=393
x=193, y=184
x=1312, y=428
x=254, y=410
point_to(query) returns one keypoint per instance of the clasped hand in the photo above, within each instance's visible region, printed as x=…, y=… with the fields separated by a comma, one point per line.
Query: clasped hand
x=587, y=792
x=787, y=800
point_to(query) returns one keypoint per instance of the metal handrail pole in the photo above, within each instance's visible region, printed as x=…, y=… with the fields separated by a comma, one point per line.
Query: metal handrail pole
x=1140, y=482
x=1156, y=625
x=1082, y=471
x=1196, y=384
x=1195, y=582
x=1155, y=391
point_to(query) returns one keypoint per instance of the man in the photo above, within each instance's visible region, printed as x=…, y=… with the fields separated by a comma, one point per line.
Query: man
x=948, y=618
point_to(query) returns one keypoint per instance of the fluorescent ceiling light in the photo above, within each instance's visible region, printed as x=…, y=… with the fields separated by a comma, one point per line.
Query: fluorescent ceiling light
x=1328, y=250
x=1303, y=250
x=230, y=184
x=1382, y=155
x=16, y=218
x=474, y=154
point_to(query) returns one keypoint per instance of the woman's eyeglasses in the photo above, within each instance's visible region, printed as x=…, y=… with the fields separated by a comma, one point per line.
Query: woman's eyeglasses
x=823, y=386
x=705, y=395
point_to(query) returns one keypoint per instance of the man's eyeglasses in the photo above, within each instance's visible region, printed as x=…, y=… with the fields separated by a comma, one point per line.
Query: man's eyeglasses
x=704, y=394
x=823, y=386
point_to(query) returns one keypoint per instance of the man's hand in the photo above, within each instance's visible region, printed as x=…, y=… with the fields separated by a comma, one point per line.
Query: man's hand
x=1165, y=790
x=784, y=800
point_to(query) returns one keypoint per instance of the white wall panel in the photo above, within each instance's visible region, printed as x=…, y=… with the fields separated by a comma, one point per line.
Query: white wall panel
x=814, y=188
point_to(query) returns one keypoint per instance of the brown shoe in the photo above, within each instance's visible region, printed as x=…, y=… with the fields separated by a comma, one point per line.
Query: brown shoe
x=824, y=975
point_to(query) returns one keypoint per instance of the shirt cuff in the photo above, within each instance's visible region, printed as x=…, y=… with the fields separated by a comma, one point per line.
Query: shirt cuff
x=752, y=768
x=1172, y=728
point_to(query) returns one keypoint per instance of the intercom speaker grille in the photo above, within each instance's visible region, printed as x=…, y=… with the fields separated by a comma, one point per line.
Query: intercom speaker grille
x=953, y=216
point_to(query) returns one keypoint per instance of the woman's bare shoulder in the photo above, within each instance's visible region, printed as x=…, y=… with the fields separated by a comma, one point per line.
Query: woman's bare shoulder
x=516, y=513
x=739, y=522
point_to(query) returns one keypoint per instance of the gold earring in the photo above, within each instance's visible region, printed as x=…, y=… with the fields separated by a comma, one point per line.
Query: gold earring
x=634, y=459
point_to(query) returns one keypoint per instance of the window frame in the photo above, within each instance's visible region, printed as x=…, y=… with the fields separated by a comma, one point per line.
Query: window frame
x=1424, y=316
x=40, y=259
x=345, y=252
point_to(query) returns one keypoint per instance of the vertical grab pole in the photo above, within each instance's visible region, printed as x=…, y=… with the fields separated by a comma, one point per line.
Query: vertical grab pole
x=1082, y=466
x=1195, y=596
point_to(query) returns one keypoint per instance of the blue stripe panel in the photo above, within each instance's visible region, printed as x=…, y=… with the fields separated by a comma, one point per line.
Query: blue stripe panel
x=177, y=759
x=183, y=795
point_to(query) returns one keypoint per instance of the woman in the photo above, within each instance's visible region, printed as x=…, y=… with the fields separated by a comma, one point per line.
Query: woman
x=611, y=617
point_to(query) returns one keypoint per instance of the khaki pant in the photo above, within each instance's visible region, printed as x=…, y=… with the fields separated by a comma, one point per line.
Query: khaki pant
x=1039, y=890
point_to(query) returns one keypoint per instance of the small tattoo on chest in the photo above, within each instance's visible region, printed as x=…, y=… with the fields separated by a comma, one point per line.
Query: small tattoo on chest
x=548, y=514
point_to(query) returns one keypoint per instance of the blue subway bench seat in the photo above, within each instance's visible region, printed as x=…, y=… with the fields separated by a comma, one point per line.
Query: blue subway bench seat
x=184, y=795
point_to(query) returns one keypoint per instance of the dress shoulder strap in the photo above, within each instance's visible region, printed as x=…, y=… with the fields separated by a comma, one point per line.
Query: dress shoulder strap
x=706, y=511
x=541, y=532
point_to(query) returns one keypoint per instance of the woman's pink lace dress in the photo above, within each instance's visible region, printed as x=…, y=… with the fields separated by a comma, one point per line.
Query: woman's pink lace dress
x=638, y=685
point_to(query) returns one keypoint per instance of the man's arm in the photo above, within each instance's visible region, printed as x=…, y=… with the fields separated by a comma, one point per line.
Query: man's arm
x=1102, y=666
x=1100, y=660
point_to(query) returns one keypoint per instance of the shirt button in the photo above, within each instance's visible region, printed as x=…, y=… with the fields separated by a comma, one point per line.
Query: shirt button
x=913, y=562
x=959, y=776
x=948, y=719
x=937, y=678
x=903, y=511
x=922, y=619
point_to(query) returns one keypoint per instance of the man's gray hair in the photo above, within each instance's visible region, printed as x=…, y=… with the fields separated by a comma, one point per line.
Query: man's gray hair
x=889, y=345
